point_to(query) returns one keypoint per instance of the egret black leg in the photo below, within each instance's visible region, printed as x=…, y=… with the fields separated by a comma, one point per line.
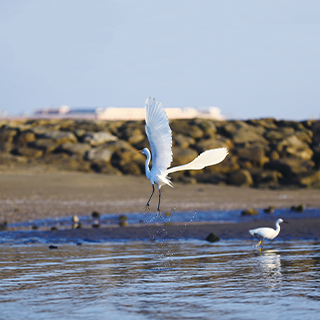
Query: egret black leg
x=260, y=240
x=147, y=205
x=158, y=211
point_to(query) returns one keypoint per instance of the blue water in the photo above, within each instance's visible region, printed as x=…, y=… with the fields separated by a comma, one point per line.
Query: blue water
x=163, y=279
x=175, y=217
x=185, y=279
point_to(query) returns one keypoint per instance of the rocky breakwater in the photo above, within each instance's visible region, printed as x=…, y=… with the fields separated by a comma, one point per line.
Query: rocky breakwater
x=264, y=153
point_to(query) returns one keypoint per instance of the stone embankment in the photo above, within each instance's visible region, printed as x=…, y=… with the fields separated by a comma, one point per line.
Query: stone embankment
x=264, y=153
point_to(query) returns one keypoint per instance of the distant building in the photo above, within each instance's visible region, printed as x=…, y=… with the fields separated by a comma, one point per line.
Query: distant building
x=118, y=113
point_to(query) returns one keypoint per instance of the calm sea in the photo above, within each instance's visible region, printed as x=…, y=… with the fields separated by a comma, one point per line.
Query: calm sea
x=186, y=279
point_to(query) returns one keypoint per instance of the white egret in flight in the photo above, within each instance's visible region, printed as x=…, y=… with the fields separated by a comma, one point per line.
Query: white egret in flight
x=160, y=139
x=266, y=233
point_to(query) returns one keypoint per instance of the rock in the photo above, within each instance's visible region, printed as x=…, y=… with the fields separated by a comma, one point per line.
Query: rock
x=228, y=165
x=269, y=209
x=79, y=133
x=11, y=160
x=255, y=155
x=128, y=161
x=105, y=168
x=214, y=178
x=182, y=141
x=249, y=212
x=53, y=247
x=46, y=145
x=3, y=226
x=298, y=208
x=59, y=136
x=212, y=143
x=273, y=155
x=132, y=134
x=316, y=156
x=123, y=217
x=142, y=144
x=289, y=123
x=212, y=237
x=248, y=138
x=54, y=228
x=167, y=214
x=244, y=134
x=123, y=223
x=304, y=136
x=309, y=179
x=88, y=125
x=292, y=146
x=240, y=178
x=131, y=168
x=96, y=224
x=76, y=148
x=75, y=218
x=207, y=126
x=7, y=134
x=136, y=136
x=62, y=161
x=6, y=146
x=68, y=125
x=265, y=178
x=245, y=164
x=316, y=133
x=266, y=123
x=183, y=156
x=278, y=134
x=183, y=127
x=95, y=214
x=25, y=137
x=290, y=167
x=265, y=149
x=38, y=131
x=97, y=138
x=27, y=152
x=184, y=179
x=99, y=154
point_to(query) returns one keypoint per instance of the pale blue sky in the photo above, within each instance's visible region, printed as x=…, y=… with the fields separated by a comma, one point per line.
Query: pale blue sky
x=251, y=59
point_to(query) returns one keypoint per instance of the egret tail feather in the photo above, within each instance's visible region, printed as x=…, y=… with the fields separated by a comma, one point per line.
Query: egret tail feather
x=205, y=159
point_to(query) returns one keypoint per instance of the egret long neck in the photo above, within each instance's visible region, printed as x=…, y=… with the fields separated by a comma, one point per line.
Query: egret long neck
x=146, y=165
x=278, y=227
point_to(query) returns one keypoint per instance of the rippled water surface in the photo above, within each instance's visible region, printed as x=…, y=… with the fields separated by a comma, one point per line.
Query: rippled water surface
x=161, y=280
x=150, y=217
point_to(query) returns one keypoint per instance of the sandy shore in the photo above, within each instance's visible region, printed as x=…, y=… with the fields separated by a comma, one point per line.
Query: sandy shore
x=28, y=195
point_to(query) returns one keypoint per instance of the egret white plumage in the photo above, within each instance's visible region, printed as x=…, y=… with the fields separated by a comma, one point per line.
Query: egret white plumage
x=160, y=138
x=266, y=232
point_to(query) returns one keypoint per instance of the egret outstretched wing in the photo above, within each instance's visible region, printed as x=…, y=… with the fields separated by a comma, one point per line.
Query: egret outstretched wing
x=159, y=135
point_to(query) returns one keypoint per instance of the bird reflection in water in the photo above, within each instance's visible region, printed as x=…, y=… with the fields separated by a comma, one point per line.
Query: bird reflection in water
x=269, y=263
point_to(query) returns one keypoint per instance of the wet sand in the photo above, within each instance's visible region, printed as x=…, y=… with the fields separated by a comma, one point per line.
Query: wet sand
x=296, y=229
x=29, y=195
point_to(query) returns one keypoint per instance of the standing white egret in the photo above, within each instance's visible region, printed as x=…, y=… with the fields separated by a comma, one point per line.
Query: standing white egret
x=266, y=233
x=160, y=138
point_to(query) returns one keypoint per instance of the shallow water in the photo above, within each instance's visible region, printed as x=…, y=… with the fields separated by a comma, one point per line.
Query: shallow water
x=161, y=280
x=176, y=217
